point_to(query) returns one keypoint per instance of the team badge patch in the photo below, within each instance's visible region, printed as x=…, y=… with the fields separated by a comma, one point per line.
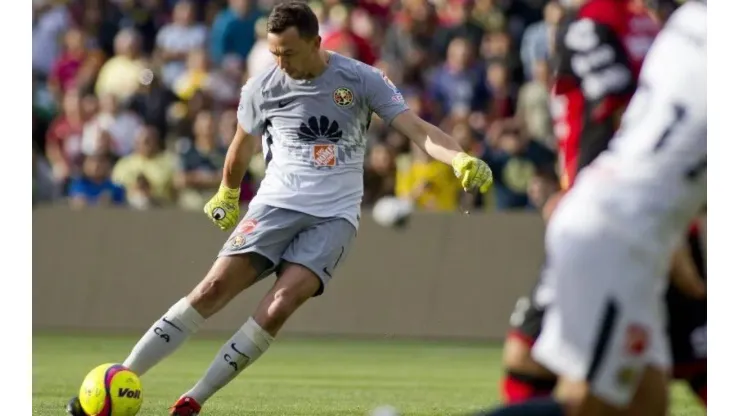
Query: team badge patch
x=344, y=97
x=237, y=242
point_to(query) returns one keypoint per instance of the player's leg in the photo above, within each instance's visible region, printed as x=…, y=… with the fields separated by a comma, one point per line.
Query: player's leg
x=687, y=317
x=604, y=334
x=524, y=378
x=249, y=254
x=308, y=264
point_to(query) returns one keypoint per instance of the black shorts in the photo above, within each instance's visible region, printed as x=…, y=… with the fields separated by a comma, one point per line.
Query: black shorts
x=687, y=322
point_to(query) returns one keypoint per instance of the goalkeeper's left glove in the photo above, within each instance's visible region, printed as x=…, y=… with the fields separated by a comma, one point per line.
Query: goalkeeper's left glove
x=473, y=172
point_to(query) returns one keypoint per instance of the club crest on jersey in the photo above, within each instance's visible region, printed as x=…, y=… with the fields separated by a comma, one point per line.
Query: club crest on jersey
x=344, y=97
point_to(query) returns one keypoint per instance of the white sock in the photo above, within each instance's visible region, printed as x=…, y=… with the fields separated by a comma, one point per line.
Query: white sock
x=164, y=337
x=244, y=348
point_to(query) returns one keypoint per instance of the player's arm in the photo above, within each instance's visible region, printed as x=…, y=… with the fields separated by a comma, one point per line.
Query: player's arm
x=238, y=157
x=684, y=274
x=387, y=102
x=474, y=173
x=431, y=138
x=223, y=208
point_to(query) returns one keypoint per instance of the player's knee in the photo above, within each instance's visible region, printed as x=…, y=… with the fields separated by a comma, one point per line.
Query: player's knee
x=284, y=302
x=516, y=354
x=207, y=295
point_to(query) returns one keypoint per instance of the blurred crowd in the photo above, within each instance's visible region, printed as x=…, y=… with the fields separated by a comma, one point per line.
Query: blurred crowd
x=134, y=100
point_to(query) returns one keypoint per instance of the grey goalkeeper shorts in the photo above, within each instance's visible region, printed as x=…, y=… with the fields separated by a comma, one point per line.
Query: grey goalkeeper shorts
x=278, y=234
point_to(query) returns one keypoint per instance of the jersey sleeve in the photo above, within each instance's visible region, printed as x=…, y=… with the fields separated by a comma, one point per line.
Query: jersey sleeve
x=249, y=113
x=592, y=58
x=383, y=98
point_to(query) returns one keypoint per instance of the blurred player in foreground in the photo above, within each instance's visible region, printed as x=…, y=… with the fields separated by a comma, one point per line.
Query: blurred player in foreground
x=612, y=239
x=586, y=124
x=311, y=110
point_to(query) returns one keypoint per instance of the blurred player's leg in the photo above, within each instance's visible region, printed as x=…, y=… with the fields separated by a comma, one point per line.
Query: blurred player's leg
x=524, y=378
x=688, y=327
x=307, y=266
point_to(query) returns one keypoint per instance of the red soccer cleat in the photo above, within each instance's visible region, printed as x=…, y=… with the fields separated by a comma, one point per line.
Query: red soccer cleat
x=185, y=406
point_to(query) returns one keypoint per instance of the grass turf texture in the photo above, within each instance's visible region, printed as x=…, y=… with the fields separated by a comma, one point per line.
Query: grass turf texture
x=298, y=377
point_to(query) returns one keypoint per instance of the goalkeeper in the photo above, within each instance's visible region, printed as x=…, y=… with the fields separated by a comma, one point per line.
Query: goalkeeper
x=311, y=110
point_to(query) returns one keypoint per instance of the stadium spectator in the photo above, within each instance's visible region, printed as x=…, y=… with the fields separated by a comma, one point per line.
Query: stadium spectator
x=459, y=84
x=430, y=184
x=195, y=76
x=539, y=37
x=120, y=124
x=514, y=160
x=76, y=66
x=120, y=75
x=259, y=57
x=200, y=162
x=503, y=91
x=533, y=105
x=50, y=20
x=177, y=39
x=233, y=30
x=224, y=84
x=152, y=103
x=64, y=138
x=344, y=39
x=457, y=22
x=380, y=174
x=94, y=186
x=148, y=174
x=409, y=38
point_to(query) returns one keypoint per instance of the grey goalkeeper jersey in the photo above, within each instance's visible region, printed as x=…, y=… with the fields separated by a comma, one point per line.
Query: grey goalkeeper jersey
x=313, y=134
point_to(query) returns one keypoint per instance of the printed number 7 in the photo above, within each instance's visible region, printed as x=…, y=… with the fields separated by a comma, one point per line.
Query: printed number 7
x=679, y=113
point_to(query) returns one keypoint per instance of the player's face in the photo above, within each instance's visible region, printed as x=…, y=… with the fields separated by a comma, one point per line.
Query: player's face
x=294, y=54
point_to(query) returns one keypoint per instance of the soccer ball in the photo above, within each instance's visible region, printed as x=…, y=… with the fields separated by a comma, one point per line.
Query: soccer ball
x=111, y=390
x=392, y=212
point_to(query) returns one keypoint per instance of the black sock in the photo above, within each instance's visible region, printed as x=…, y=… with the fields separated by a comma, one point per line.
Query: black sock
x=546, y=406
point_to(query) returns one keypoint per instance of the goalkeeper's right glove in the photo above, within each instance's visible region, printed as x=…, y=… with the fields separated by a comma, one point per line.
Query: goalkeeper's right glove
x=223, y=208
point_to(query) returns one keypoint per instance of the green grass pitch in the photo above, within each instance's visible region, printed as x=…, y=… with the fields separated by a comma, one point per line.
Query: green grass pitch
x=298, y=377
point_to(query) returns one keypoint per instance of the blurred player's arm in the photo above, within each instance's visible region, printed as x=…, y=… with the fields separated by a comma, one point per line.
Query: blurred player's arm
x=684, y=274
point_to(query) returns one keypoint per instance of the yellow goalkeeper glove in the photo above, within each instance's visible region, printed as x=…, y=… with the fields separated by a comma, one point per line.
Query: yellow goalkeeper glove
x=223, y=208
x=473, y=172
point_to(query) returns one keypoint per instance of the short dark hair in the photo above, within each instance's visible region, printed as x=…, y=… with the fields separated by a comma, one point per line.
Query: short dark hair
x=293, y=14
